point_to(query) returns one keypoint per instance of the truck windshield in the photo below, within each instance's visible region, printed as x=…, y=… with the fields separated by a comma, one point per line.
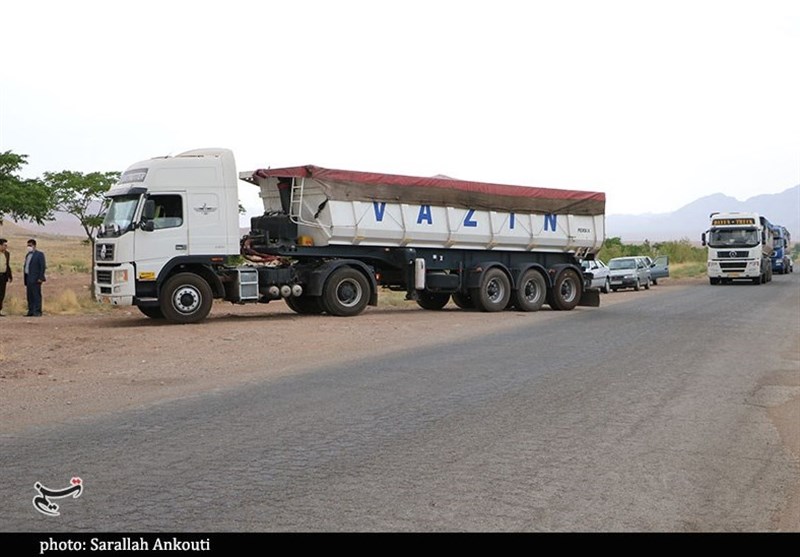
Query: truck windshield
x=120, y=215
x=738, y=237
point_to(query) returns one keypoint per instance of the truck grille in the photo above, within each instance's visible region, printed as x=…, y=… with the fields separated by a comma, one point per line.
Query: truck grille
x=103, y=277
x=733, y=265
x=731, y=254
x=104, y=252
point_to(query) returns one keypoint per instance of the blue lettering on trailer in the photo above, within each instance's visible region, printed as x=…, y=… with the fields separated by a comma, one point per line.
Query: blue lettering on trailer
x=550, y=219
x=425, y=214
x=512, y=220
x=468, y=219
x=380, y=210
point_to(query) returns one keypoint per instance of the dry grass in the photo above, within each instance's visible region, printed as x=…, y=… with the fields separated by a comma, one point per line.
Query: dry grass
x=688, y=270
x=69, y=263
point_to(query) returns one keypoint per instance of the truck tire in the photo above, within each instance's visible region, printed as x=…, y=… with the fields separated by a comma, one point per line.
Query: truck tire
x=463, y=301
x=305, y=305
x=532, y=291
x=432, y=300
x=758, y=280
x=185, y=298
x=567, y=291
x=346, y=292
x=713, y=280
x=153, y=312
x=493, y=293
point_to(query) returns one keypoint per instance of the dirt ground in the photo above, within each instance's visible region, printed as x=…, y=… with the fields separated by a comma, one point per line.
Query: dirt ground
x=58, y=368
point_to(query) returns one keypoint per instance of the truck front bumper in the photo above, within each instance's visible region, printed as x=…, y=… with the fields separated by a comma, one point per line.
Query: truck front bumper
x=115, y=285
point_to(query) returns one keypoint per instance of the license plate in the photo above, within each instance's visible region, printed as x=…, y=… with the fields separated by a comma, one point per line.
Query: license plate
x=732, y=275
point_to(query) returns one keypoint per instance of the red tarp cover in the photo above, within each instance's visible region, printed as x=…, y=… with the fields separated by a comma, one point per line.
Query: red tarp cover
x=348, y=185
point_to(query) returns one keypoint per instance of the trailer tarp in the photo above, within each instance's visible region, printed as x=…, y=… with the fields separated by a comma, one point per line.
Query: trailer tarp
x=348, y=185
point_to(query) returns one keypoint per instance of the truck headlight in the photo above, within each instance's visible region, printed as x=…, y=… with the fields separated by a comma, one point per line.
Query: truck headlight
x=120, y=276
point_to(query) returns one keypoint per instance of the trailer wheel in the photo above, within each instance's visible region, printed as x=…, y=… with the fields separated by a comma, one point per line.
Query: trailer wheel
x=566, y=291
x=346, y=292
x=185, y=298
x=305, y=305
x=463, y=301
x=432, y=300
x=532, y=291
x=494, y=291
x=153, y=312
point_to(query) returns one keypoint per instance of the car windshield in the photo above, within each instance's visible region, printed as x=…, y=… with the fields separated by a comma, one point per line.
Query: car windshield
x=120, y=215
x=622, y=264
x=736, y=237
x=585, y=264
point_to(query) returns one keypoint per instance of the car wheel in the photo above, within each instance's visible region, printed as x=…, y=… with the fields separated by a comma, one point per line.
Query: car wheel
x=637, y=286
x=606, y=287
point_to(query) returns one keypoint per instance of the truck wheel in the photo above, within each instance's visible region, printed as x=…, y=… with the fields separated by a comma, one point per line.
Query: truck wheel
x=566, y=291
x=606, y=287
x=153, y=312
x=494, y=291
x=432, y=300
x=758, y=280
x=185, y=298
x=713, y=280
x=305, y=305
x=532, y=291
x=464, y=301
x=637, y=286
x=346, y=292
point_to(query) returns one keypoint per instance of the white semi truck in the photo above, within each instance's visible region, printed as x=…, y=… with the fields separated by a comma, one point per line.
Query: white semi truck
x=739, y=248
x=329, y=239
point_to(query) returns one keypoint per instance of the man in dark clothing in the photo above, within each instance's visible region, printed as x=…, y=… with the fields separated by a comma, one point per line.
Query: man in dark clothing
x=34, y=277
x=5, y=272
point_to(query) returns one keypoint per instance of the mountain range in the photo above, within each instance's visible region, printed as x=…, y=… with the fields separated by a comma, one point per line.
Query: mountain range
x=691, y=220
x=687, y=222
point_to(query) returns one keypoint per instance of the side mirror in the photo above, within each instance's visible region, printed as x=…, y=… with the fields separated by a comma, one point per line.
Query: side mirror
x=703, y=238
x=148, y=214
x=149, y=211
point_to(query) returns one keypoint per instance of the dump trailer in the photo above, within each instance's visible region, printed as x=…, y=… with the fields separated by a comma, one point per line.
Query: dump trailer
x=329, y=240
x=739, y=248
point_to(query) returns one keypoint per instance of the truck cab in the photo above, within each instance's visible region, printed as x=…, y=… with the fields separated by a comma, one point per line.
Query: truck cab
x=166, y=214
x=739, y=248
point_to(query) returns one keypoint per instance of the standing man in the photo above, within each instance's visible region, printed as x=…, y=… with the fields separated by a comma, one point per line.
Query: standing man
x=5, y=272
x=34, y=277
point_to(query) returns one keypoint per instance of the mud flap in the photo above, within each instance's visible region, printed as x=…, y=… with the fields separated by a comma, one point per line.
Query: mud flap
x=590, y=298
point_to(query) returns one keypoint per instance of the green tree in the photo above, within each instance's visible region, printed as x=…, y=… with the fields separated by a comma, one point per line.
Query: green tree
x=22, y=199
x=82, y=196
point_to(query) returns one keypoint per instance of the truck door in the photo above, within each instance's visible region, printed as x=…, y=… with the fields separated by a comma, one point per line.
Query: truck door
x=169, y=237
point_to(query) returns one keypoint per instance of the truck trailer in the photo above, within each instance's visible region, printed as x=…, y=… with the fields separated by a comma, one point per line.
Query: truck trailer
x=330, y=239
x=740, y=246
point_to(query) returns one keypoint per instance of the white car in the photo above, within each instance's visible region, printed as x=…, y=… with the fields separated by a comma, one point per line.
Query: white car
x=600, y=274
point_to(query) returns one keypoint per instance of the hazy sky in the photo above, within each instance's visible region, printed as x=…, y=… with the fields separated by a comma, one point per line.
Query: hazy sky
x=654, y=103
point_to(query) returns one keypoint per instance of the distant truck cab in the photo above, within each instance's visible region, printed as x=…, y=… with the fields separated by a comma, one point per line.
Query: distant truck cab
x=740, y=246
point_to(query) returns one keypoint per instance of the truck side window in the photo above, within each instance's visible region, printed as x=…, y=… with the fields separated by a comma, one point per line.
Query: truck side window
x=168, y=211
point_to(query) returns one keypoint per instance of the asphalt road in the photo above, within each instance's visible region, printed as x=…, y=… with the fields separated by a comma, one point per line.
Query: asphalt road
x=645, y=415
